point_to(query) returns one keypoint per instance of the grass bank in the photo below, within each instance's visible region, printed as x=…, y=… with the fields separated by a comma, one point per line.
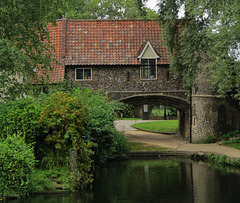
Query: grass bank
x=233, y=145
x=138, y=147
x=166, y=126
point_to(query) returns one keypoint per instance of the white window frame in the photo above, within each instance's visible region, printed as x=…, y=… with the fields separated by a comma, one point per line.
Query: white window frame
x=83, y=74
x=148, y=69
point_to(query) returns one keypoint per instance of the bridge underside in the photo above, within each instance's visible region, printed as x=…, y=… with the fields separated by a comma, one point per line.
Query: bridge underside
x=178, y=101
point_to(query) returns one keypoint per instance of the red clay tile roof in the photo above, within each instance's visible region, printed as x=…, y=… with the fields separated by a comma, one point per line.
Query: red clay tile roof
x=111, y=42
x=57, y=72
x=103, y=42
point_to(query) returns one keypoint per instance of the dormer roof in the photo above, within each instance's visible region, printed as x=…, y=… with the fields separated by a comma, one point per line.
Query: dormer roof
x=148, y=52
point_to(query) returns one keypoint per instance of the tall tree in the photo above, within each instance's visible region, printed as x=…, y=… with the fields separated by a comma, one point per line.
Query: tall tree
x=109, y=9
x=208, y=32
x=23, y=37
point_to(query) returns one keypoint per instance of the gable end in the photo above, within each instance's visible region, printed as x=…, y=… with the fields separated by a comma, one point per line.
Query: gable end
x=148, y=52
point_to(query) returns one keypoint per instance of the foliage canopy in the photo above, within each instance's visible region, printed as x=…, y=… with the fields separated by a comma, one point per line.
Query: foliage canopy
x=23, y=37
x=109, y=9
x=208, y=33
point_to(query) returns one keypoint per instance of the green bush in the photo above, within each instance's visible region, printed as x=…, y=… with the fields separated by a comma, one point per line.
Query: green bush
x=100, y=126
x=123, y=109
x=63, y=119
x=209, y=139
x=71, y=119
x=20, y=117
x=121, y=144
x=230, y=135
x=16, y=166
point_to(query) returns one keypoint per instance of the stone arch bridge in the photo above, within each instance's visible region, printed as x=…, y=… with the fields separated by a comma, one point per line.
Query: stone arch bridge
x=178, y=99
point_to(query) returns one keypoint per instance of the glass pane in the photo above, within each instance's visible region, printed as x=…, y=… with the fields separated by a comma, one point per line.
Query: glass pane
x=152, y=62
x=144, y=72
x=87, y=73
x=144, y=61
x=152, y=73
x=79, y=73
x=145, y=108
x=128, y=77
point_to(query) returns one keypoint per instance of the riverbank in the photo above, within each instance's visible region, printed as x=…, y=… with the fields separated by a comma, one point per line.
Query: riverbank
x=174, y=143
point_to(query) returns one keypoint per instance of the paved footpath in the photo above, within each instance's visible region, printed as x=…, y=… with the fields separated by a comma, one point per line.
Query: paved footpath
x=173, y=142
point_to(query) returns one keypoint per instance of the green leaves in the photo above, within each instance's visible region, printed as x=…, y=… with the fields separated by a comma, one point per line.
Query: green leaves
x=20, y=117
x=16, y=166
x=109, y=9
x=65, y=119
x=208, y=34
x=24, y=43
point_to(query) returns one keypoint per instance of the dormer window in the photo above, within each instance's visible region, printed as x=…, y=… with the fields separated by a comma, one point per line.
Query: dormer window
x=148, y=69
x=148, y=58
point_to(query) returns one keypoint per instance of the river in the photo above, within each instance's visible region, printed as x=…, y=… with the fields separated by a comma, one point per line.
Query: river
x=156, y=180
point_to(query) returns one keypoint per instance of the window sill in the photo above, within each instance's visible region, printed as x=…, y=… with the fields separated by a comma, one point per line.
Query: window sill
x=83, y=79
x=149, y=79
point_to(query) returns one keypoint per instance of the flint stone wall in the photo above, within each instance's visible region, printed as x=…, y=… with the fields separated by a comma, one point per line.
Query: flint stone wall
x=114, y=78
x=211, y=115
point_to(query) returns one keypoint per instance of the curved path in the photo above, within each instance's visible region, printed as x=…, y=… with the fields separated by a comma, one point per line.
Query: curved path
x=173, y=142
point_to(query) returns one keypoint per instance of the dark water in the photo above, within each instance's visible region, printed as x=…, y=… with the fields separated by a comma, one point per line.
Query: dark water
x=154, y=181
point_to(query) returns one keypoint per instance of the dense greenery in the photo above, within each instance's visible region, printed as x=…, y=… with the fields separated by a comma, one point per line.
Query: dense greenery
x=16, y=167
x=72, y=120
x=23, y=42
x=100, y=126
x=209, y=139
x=21, y=117
x=159, y=111
x=168, y=126
x=207, y=33
x=109, y=9
x=230, y=137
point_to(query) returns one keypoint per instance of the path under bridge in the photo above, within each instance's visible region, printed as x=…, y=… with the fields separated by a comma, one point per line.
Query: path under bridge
x=177, y=99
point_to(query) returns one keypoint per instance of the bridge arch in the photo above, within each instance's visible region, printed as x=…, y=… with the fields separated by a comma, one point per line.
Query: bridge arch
x=181, y=104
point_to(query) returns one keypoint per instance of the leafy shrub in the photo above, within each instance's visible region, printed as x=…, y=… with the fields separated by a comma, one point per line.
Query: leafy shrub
x=230, y=135
x=16, y=166
x=63, y=119
x=121, y=144
x=209, y=139
x=125, y=109
x=172, y=111
x=100, y=126
x=20, y=117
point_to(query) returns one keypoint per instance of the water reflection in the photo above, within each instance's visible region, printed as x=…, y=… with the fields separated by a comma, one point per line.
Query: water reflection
x=154, y=181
